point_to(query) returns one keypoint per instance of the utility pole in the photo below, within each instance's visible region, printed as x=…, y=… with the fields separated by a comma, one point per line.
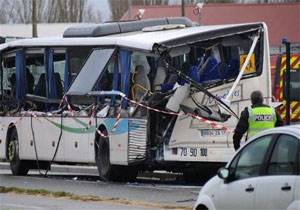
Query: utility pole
x=129, y=9
x=34, y=19
x=287, y=80
x=182, y=8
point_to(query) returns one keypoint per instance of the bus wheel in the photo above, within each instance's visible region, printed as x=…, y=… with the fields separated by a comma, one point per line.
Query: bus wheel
x=105, y=169
x=18, y=167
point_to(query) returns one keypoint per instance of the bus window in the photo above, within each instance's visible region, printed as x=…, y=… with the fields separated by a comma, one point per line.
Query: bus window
x=218, y=61
x=44, y=73
x=88, y=77
x=110, y=79
x=105, y=83
x=140, y=85
x=36, y=75
x=77, y=57
x=234, y=51
x=59, y=65
x=9, y=77
x=8, y=82
x=35, y=72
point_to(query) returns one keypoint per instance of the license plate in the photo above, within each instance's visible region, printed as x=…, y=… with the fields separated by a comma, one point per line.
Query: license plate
x=192, y=152
x=212, y=132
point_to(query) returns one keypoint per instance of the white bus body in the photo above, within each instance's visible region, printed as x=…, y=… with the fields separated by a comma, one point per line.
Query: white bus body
x=99, y=121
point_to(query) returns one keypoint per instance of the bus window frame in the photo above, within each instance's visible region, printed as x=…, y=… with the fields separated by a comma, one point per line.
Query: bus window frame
x=76, y=91
x=40, y=51
x=69, y=49
x=7, y=54
x=259, y=69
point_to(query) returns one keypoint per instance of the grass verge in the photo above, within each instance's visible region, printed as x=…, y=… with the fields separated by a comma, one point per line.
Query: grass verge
x=71, y=196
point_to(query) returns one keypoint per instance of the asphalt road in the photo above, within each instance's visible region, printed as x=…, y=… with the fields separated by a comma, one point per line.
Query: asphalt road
x=137, y=195
x=29, y=202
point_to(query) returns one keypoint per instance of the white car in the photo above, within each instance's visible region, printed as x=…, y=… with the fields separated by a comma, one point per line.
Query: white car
x=263, y=174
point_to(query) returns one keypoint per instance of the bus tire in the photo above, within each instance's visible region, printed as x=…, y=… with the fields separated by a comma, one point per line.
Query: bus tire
x=105, y=168
x=107, y=171
x=18, y=167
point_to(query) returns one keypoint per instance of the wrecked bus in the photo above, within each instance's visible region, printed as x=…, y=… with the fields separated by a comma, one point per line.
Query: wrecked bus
x=130, y=96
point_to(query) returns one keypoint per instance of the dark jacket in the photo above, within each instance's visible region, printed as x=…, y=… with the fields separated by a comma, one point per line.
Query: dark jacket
x=243, y=125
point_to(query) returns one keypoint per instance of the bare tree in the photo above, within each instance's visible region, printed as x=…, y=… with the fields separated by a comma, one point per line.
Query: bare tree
x=193, y=2
x=119, y=7
x=150, y=2
x=71, y=11
x=4, y=10
x=20, y=11
x=52, y=12
x=34, y=18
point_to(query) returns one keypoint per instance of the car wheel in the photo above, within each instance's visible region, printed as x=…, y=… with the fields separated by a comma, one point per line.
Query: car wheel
x=201, y=207
x=18, y=167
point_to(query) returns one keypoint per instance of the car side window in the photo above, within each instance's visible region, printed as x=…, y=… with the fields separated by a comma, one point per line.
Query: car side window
x=284, y=156
x=251, y=158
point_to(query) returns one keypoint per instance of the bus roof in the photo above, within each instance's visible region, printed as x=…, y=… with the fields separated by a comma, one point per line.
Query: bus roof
x=139, y=39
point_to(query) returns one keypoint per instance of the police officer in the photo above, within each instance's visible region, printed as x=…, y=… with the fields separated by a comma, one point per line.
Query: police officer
x=256, y=118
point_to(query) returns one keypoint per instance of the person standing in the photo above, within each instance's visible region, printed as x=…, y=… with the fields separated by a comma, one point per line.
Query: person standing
x=254, y=119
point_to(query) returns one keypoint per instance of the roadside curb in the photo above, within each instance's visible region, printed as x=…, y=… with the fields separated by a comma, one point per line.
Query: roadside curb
x=91, y=170
x=4, y=166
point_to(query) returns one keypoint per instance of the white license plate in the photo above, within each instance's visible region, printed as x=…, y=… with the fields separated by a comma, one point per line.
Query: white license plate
x=192, y=152
x=212, y=132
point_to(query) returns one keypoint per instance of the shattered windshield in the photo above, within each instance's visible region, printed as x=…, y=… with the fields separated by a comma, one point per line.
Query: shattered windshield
x=218, y=61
